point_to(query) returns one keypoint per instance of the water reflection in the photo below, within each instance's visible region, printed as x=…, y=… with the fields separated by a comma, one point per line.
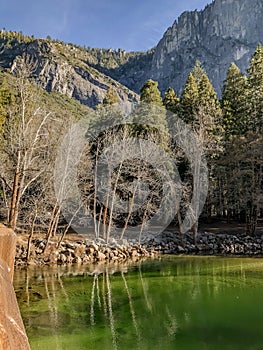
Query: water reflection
x=160, y=304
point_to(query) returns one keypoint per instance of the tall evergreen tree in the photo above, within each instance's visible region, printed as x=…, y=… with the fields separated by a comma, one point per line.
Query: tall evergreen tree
x=189, y=100
x=200, y=106
x=198, y=72
x=151, y=94
x=151, y=110
x=171, y=100
x=208, y=100
x=234, y=102
x=171, y=103
x=255, y=82
x=243, y=119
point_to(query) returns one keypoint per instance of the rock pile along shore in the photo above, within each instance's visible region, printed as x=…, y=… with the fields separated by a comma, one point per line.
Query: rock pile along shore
x=206, y=244
x=81, y=252
x=88, y=251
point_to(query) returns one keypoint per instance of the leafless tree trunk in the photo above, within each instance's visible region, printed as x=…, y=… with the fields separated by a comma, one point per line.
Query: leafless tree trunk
x=31, y=236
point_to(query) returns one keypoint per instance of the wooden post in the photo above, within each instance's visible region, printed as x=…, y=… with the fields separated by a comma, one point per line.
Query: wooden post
x=12, y=332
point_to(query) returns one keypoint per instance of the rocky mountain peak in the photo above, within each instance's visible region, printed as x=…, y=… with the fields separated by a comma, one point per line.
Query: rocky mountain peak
x=225, y=31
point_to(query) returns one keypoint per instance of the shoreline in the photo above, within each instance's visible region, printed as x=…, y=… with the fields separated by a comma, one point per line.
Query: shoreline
x=88, y=251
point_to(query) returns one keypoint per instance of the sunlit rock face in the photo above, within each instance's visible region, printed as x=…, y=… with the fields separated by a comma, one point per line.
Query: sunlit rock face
x=63, y=68
x=225, y=31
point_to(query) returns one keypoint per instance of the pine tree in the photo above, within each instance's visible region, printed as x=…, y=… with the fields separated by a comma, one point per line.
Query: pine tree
x=200, y=106
x=111, y=97
x=149, y=117
x=171, y=103
x=171, y=100
x=243, y=120
x=189, y=100
x=234, y=102
x=198, y=72
x=255, y=94
x=151, y=94
x=209, y=110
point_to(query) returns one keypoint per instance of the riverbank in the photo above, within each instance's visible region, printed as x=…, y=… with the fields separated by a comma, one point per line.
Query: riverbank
x=76, y=249
x=207, y=244
x=80, y=251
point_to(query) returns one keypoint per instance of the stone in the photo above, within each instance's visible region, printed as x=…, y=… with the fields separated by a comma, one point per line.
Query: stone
x=100, y=256
x=86, y=259
x=80, y=250
x=62, y=258
x=134, y=253
x=77, y=260
x=180, y=249
x=69, y=259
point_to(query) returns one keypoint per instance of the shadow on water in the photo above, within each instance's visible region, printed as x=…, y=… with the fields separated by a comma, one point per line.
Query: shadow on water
x=167, y=303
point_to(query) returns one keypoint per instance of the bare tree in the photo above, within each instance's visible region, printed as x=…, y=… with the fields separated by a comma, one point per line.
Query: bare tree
x=25, y=140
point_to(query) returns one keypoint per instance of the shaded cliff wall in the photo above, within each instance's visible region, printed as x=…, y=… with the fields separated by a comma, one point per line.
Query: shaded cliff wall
x=225, y=31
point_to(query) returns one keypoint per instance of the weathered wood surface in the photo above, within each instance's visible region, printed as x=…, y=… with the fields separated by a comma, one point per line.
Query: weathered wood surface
x=12, y=331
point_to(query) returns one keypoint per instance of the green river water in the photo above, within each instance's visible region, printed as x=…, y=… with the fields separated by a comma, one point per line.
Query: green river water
x=167, y=303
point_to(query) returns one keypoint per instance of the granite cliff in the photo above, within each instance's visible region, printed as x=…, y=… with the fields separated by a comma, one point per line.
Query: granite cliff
x=225, y=31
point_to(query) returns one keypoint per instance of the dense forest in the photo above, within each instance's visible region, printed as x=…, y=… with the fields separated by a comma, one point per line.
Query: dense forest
x=33, y=124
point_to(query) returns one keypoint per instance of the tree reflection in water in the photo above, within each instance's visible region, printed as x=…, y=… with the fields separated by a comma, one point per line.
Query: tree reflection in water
x=151, y=304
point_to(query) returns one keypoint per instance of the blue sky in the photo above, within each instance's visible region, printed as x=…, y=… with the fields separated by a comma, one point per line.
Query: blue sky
x=130, y=24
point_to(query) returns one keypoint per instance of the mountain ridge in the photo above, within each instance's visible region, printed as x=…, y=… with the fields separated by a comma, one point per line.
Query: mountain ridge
x=225, y=31
x=63, y=68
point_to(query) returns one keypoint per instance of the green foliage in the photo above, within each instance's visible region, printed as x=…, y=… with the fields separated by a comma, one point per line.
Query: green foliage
x=60, y=105
x=111, y=97
x=7, y=99
x=234, y=102
x=189, y=100
x=151, y=94
x=198, y=72
x=12, y=36
x=149, y=115
x=255, y=70
x=200, y=109
x=200, y=106
x=255, y=84
x=207, y=97
x=171, y=100
x=242, y=102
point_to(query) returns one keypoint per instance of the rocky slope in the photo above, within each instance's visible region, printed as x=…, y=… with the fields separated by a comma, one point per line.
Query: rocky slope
x=63, y=68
